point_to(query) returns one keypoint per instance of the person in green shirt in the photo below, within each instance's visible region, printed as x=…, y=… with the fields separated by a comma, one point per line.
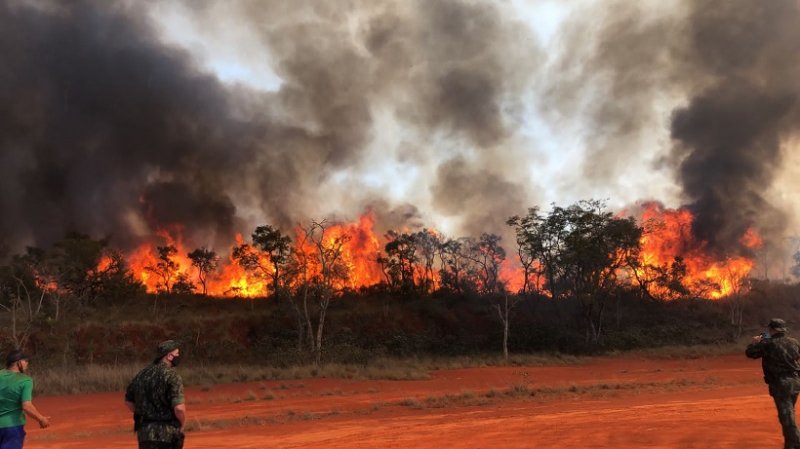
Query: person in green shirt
x=16, y=399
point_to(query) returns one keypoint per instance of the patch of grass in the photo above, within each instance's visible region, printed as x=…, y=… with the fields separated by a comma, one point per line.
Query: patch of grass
x=410, y=402
x=686, y=352
x=80, y=379
x=524, y=391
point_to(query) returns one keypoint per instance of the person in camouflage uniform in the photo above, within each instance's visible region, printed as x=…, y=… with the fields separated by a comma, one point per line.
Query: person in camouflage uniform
x=779, y=356
x=155, y=396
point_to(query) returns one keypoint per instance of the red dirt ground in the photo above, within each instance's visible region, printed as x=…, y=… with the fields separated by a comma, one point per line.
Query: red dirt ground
x=718, y=402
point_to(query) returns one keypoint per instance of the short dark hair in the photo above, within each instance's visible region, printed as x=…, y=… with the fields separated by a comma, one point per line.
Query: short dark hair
x=14, y=357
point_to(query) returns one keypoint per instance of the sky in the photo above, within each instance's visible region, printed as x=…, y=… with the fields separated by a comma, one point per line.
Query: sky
x=216, y=116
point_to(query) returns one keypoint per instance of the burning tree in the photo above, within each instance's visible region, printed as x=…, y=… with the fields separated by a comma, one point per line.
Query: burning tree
x=674, y=263
x=271, y=256
x=206, y=261
x=400, y=261
x=165, y=268
x=488, y=256
x=323, y=272
x=582, y=250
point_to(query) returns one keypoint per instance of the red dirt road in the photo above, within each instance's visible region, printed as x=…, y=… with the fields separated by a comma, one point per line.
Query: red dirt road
x=618, y=403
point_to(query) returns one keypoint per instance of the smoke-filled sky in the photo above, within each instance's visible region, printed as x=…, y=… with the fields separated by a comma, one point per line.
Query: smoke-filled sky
x=119, y=118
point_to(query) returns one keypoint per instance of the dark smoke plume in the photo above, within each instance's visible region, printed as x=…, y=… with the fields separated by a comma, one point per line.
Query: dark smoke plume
x=734, y=61
x=107, y=129
x=99, y=119
x=729, y=135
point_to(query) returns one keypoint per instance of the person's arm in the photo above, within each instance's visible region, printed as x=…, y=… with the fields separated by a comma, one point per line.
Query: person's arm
x=130, y=397
x=180, y=413
x=756, y=348
x=30, y=409
x=178, y=401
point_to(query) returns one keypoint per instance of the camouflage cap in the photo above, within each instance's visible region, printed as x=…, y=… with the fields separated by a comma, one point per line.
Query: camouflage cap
x=165, y=347
x=777, y=324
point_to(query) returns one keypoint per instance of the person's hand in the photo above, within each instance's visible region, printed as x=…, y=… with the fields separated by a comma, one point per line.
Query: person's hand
x=44, y=422
x=758, y=338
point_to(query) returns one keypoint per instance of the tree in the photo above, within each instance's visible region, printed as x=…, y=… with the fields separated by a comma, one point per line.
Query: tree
x=182, y=285
x=487, y=255
x=581, y=249
x=428, y=244
x=543, y=240
x=456, y=272
x=267, y=256
x=270, y=256
x=528, y=250
x=277, y=248
x=75, y=259
x=115, y=279
x=206, y=261
x=322, y=269
x=22, y=293
x=597, y=247
x=504, y=304
x=401, y=258
x=165, y=268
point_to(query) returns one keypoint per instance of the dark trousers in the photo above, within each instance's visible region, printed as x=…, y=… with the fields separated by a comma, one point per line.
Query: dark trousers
x=161, y=445
x=786, y=415
x=12, y=437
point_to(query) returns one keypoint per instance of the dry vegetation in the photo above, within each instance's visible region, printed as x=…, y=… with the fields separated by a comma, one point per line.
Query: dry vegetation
x=99, y=378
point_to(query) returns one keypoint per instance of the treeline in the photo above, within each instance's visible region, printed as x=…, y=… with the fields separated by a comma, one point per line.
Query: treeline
x=581, y=256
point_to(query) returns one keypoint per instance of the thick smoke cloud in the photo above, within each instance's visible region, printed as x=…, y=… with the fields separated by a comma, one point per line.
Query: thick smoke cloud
x=97, y=117
x=107, y=129
x=731, y=61
x=728, y=138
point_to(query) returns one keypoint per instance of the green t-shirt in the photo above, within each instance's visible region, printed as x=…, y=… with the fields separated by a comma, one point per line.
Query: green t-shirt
x=15, y=388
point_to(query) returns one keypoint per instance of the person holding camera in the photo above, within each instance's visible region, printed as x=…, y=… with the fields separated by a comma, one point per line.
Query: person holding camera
x=779, y=356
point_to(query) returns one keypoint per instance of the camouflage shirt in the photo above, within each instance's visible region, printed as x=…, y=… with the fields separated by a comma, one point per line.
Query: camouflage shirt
x=155, y=391
x=779, y=357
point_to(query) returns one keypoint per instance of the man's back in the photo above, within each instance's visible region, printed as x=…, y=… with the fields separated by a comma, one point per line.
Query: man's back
x=15, y=388
x=779, y=356
x=156, y=390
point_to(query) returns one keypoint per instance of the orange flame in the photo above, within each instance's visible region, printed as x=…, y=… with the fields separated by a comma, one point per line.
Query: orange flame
x=668, y=234
x=359, y=251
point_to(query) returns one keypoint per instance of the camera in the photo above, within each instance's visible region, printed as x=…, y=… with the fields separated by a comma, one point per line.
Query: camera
x=764, y=335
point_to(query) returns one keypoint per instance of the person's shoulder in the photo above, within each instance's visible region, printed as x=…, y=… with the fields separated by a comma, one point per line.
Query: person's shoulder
x=147, y=372
x=171, y=373
x=22, y=378
x=792, y=340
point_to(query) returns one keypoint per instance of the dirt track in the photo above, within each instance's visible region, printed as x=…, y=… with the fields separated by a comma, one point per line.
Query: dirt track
x=616, y=403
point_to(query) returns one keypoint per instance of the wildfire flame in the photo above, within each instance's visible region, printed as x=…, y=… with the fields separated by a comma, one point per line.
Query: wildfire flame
x=668, y=235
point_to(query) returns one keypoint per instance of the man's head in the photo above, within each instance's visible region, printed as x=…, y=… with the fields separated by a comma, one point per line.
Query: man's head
x=17, y=361
x=169, y=351
x=776, y=326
